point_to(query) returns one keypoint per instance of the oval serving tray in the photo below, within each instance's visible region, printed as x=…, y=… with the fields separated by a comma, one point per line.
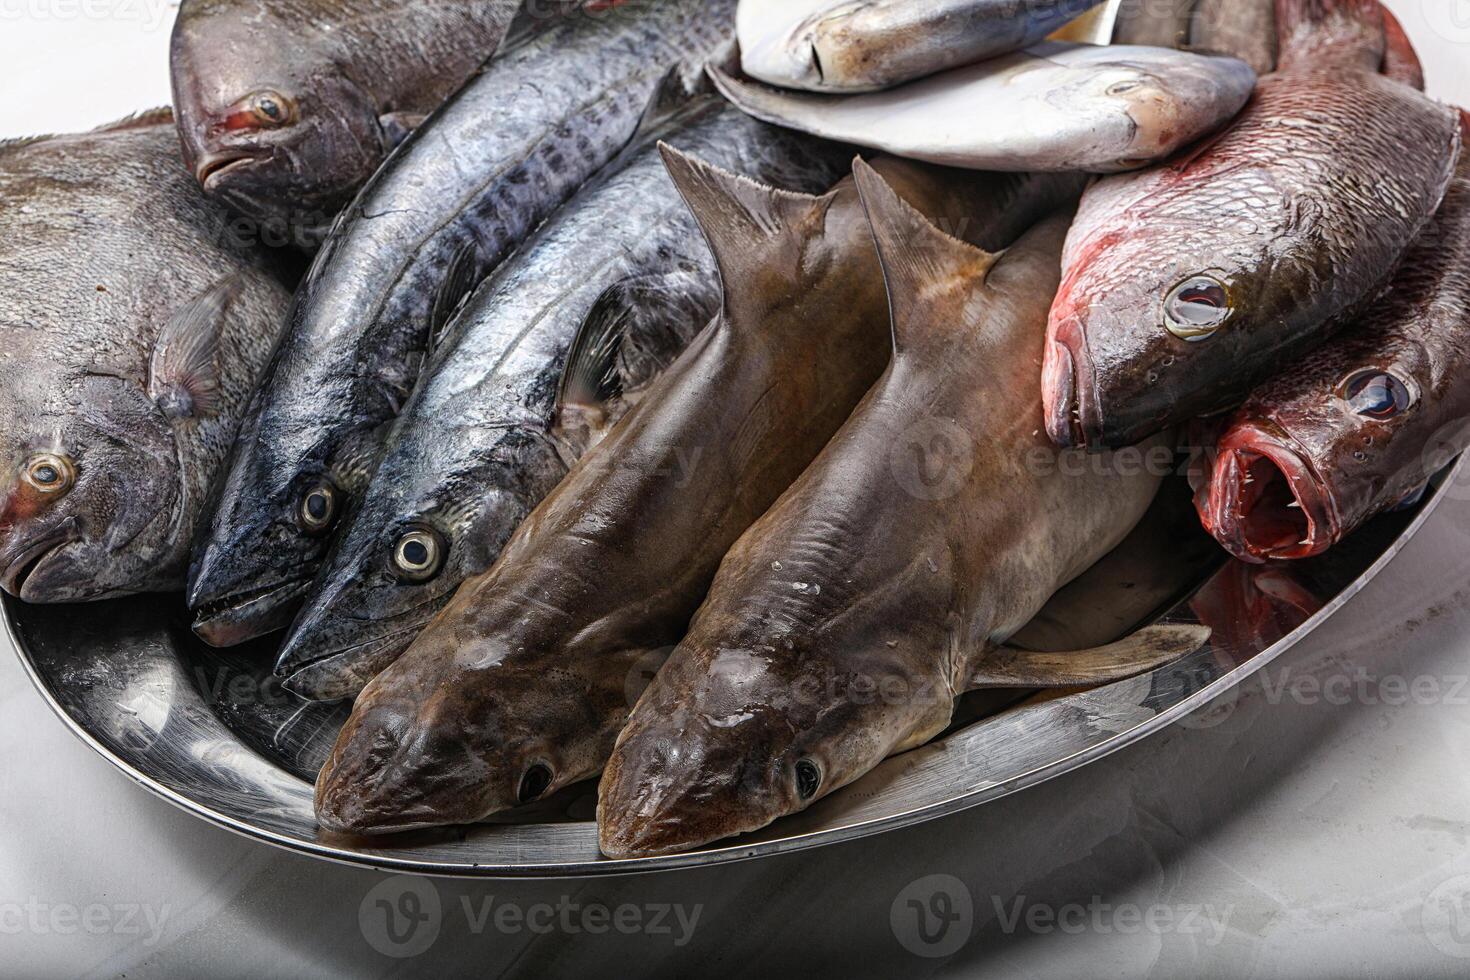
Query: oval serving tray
x=212, y=732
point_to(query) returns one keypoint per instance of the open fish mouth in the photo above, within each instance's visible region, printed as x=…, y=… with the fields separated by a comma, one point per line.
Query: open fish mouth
x=20, y=568
x=212, y=168
x=1264, y=499
x=339, y=673
x=242, y=616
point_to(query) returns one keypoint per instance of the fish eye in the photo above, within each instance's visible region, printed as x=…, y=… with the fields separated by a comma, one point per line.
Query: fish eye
x=1197, y=307
x=1124, y=87
x=808, y=778
x=1377, y=394
x=418, y=555
x=319, y=508
x=271, y=109
x=50, y=473
x=534, y=782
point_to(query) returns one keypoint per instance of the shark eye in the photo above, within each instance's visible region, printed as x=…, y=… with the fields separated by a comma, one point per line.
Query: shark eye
x=1377, y=394
x=50, y=473
x=319, y=508
x=534, y=782
x=418, y=555
x=272, y=109
x=808, y=778
x=1197, y=308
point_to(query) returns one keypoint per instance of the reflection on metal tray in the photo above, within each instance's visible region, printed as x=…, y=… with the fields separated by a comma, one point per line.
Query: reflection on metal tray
x=215, y=734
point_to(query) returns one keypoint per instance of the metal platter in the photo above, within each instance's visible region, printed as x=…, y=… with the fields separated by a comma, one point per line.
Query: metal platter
x=213, y=733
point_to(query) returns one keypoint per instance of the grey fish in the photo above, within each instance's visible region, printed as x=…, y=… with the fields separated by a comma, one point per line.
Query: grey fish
x=1243, y=28
x=1052, y=107
x=606, y=294
x=462, y=191
x=1154, y=23
x=844, y=624
x=131, y=335
x=868, y=45
x=520, y=686
x=287, y=107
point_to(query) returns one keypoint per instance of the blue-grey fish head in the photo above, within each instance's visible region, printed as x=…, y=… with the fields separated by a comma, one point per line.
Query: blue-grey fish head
x=93, y=493
x=265, y=540
x=405, y=553
x=268, y=124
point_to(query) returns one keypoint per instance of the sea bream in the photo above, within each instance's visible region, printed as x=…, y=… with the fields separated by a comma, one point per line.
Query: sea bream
x=286, y=109
x=132, y=331
x=520, y=686
x=1188, y=284
x=463, y=191
x=605, y=296
x=1052, y=107
x=1363, y=422
x=844, y=624
x=868, y=45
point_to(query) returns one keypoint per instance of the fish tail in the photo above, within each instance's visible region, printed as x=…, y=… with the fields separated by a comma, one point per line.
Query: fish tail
x=1314, y=31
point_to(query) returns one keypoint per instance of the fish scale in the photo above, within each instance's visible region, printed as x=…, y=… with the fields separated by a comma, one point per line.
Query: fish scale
x=517, y=141
x=1299, y=212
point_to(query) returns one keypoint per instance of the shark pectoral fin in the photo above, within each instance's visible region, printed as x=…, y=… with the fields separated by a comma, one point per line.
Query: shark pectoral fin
x=591, y=380
x=183, y=379
x=746, y=224
x=916, y=256
x=459, y=281
x=397, y=126
x=1142, y=651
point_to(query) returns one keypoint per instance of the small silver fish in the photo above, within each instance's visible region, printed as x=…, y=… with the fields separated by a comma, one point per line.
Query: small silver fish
x=1053, y=107
x=868, y=45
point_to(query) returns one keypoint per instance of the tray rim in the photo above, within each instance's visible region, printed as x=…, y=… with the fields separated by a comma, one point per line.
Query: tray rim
x=730, y=853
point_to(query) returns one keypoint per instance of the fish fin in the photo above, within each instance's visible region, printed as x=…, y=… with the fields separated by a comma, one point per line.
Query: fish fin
x=397, y=126
x=743, y=220
x=779, y=107
x=139, y=120
x=1400, y=60
x=460, y=278
x=183, y=379
x=917, y=257
x=1142, y=651
x=591, y=379
x=1314, y=30
x=675, y=90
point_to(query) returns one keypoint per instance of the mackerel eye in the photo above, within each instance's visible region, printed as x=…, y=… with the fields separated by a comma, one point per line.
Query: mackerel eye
x=1197, y=308
x=535, y=782
x=418, y=556
x=50, y=473
x=808, y=778
x=1377, y=394
x=319, y=508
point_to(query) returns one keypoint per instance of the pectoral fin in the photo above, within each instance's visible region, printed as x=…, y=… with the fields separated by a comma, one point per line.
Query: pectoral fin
x=397, y=126
x=1144, y=650
x=590, y=382
x=460, y=279
x=183, y=379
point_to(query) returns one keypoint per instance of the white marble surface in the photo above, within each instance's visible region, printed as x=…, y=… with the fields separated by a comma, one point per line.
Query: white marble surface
x=1285, y=833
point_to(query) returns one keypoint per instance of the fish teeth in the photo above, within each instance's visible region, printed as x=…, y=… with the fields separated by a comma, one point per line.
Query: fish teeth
x=1294, y=503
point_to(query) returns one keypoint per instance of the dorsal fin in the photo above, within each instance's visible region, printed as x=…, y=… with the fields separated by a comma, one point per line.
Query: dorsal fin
x=139, y=120
x=745, y=223
x=917, y=257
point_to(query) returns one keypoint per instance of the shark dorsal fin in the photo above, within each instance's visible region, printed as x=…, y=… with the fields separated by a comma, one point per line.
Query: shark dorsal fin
x=750, y=227
x=918, y=259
